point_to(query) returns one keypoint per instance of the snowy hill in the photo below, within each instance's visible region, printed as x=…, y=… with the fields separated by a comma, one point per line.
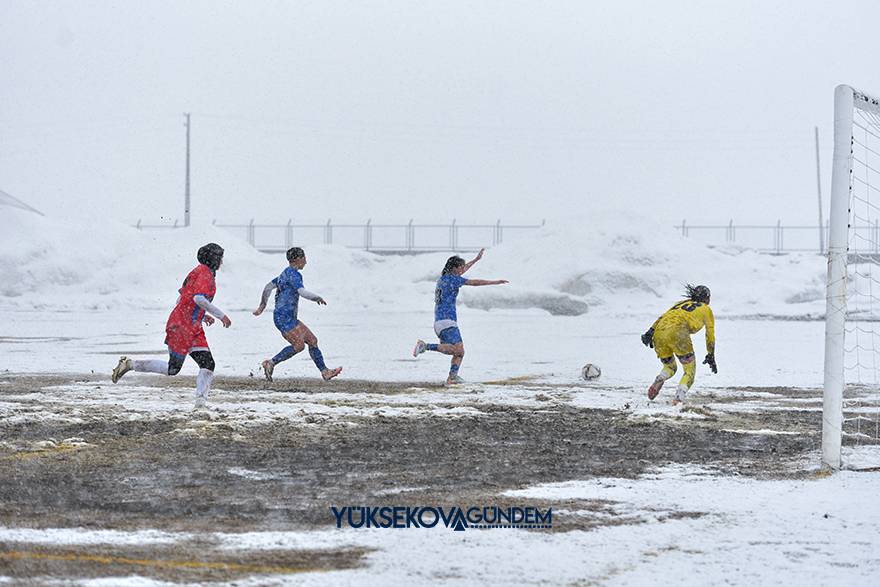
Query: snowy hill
x=603, y=261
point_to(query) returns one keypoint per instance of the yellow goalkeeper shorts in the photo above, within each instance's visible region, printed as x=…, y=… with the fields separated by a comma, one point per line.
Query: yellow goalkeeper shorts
x=670, y=342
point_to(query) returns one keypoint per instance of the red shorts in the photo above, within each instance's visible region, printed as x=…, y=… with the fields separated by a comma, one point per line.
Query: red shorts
x=183, y=339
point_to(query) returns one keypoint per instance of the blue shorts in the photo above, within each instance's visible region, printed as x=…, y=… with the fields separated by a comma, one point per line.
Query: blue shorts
x=285, y=322
x=450, y=335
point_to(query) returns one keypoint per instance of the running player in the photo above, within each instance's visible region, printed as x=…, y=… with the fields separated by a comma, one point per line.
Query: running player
x=183, y=331
x=445, y=320
x=670, y=336
x=290, y=288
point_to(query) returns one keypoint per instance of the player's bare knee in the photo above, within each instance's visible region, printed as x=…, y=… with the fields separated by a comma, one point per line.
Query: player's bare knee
x=458, y=350
x=689, y=358
x=298, y=346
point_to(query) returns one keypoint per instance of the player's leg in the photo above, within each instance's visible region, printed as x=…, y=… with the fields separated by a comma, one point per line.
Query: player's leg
x=201, y=354
x=684, y=350
x=286, y=325
x=422, y=346
x=663, y=349
x=451, y=343
x=444, y=347
x=668, y=370
x=689, y=365
x=311, y=340
x=170, y=367
x=455, y=364
x=205, y=360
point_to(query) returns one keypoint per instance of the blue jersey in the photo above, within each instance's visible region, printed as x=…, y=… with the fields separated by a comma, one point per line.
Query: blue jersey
x=287, y=294
x=445, y=295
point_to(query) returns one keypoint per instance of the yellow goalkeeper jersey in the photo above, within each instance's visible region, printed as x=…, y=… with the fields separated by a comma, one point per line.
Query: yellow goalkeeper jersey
x=691, y=315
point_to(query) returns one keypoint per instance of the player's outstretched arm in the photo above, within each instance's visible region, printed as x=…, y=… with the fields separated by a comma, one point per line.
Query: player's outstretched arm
x=311, y=296
x=471, y=263
x=486, y=282
x=265, y=297
x=202, y=302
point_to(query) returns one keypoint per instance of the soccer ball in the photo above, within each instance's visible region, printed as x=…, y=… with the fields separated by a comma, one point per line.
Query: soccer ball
x=591, y=371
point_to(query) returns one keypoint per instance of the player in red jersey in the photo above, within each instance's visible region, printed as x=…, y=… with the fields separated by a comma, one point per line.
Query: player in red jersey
x=183, y=331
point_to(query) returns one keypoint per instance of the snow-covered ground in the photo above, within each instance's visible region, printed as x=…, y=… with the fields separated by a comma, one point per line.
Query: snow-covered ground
x=74, y=297
x=681, y=525
x=378, y=344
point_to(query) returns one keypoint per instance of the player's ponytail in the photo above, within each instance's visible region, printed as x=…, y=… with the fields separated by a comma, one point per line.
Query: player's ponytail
x=697, y=293
x=452, y=263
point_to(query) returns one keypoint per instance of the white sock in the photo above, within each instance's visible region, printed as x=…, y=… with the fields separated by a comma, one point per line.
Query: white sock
x=681, y=393
x=150, y=366
x=203, y=383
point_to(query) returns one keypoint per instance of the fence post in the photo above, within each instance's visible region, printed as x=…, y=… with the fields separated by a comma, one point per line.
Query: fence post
x=410, y=236
x=827, y=235
x=452, y=235
x=288, y=233
x=684, y=231
x=367, y=235
x=138, y=225
x=875, y=235
x=250, y=233
x=328, y=233
x=779, y=237
x=496, y=238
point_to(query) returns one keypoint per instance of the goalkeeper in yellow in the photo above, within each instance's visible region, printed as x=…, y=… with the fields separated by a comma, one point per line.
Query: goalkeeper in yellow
x=670, y=337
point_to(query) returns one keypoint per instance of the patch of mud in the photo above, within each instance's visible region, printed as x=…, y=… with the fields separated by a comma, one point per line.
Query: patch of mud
x=206, y=473
x=181, y=563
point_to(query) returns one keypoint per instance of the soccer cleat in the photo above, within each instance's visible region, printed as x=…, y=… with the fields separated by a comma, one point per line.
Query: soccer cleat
x=454, y=380
x=121, y=369
x=329, y=374
x=654, y=390
x=420, y=348
x=268, y=368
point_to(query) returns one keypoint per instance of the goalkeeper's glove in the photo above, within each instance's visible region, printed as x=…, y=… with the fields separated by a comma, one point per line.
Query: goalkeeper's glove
x=710, y=360
x=648, y=338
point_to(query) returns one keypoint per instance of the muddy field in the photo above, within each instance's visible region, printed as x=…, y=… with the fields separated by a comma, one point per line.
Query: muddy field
x=70, y=463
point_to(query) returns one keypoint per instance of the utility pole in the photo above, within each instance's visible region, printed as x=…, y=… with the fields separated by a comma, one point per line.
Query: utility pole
x=186, y=189
x=819, y=192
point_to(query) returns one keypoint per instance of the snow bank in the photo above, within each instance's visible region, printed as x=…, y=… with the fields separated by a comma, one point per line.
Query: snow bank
x=603, y=260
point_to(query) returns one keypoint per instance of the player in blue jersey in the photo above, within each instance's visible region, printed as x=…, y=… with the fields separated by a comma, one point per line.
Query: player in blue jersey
x=290, y=289
x=445, y=319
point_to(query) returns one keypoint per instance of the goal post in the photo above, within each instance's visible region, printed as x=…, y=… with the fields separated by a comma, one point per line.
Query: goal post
x=854, y=238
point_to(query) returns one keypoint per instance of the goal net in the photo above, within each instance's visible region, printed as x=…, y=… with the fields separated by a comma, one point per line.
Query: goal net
x=851, y=404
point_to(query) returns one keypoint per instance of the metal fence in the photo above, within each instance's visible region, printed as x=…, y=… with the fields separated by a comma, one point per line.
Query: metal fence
x=379, y=238
x=776, y=238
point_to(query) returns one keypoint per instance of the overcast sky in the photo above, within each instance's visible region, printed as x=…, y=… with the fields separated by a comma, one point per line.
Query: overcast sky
x=429, y=110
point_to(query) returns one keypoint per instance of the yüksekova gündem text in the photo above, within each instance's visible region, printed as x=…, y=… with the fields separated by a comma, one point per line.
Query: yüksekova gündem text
x=451, y=517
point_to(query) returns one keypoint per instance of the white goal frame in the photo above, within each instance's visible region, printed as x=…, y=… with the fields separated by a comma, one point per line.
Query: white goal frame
x=846, y=100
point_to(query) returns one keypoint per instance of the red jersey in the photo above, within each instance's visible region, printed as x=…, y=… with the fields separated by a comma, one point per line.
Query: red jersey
x=200, y=281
